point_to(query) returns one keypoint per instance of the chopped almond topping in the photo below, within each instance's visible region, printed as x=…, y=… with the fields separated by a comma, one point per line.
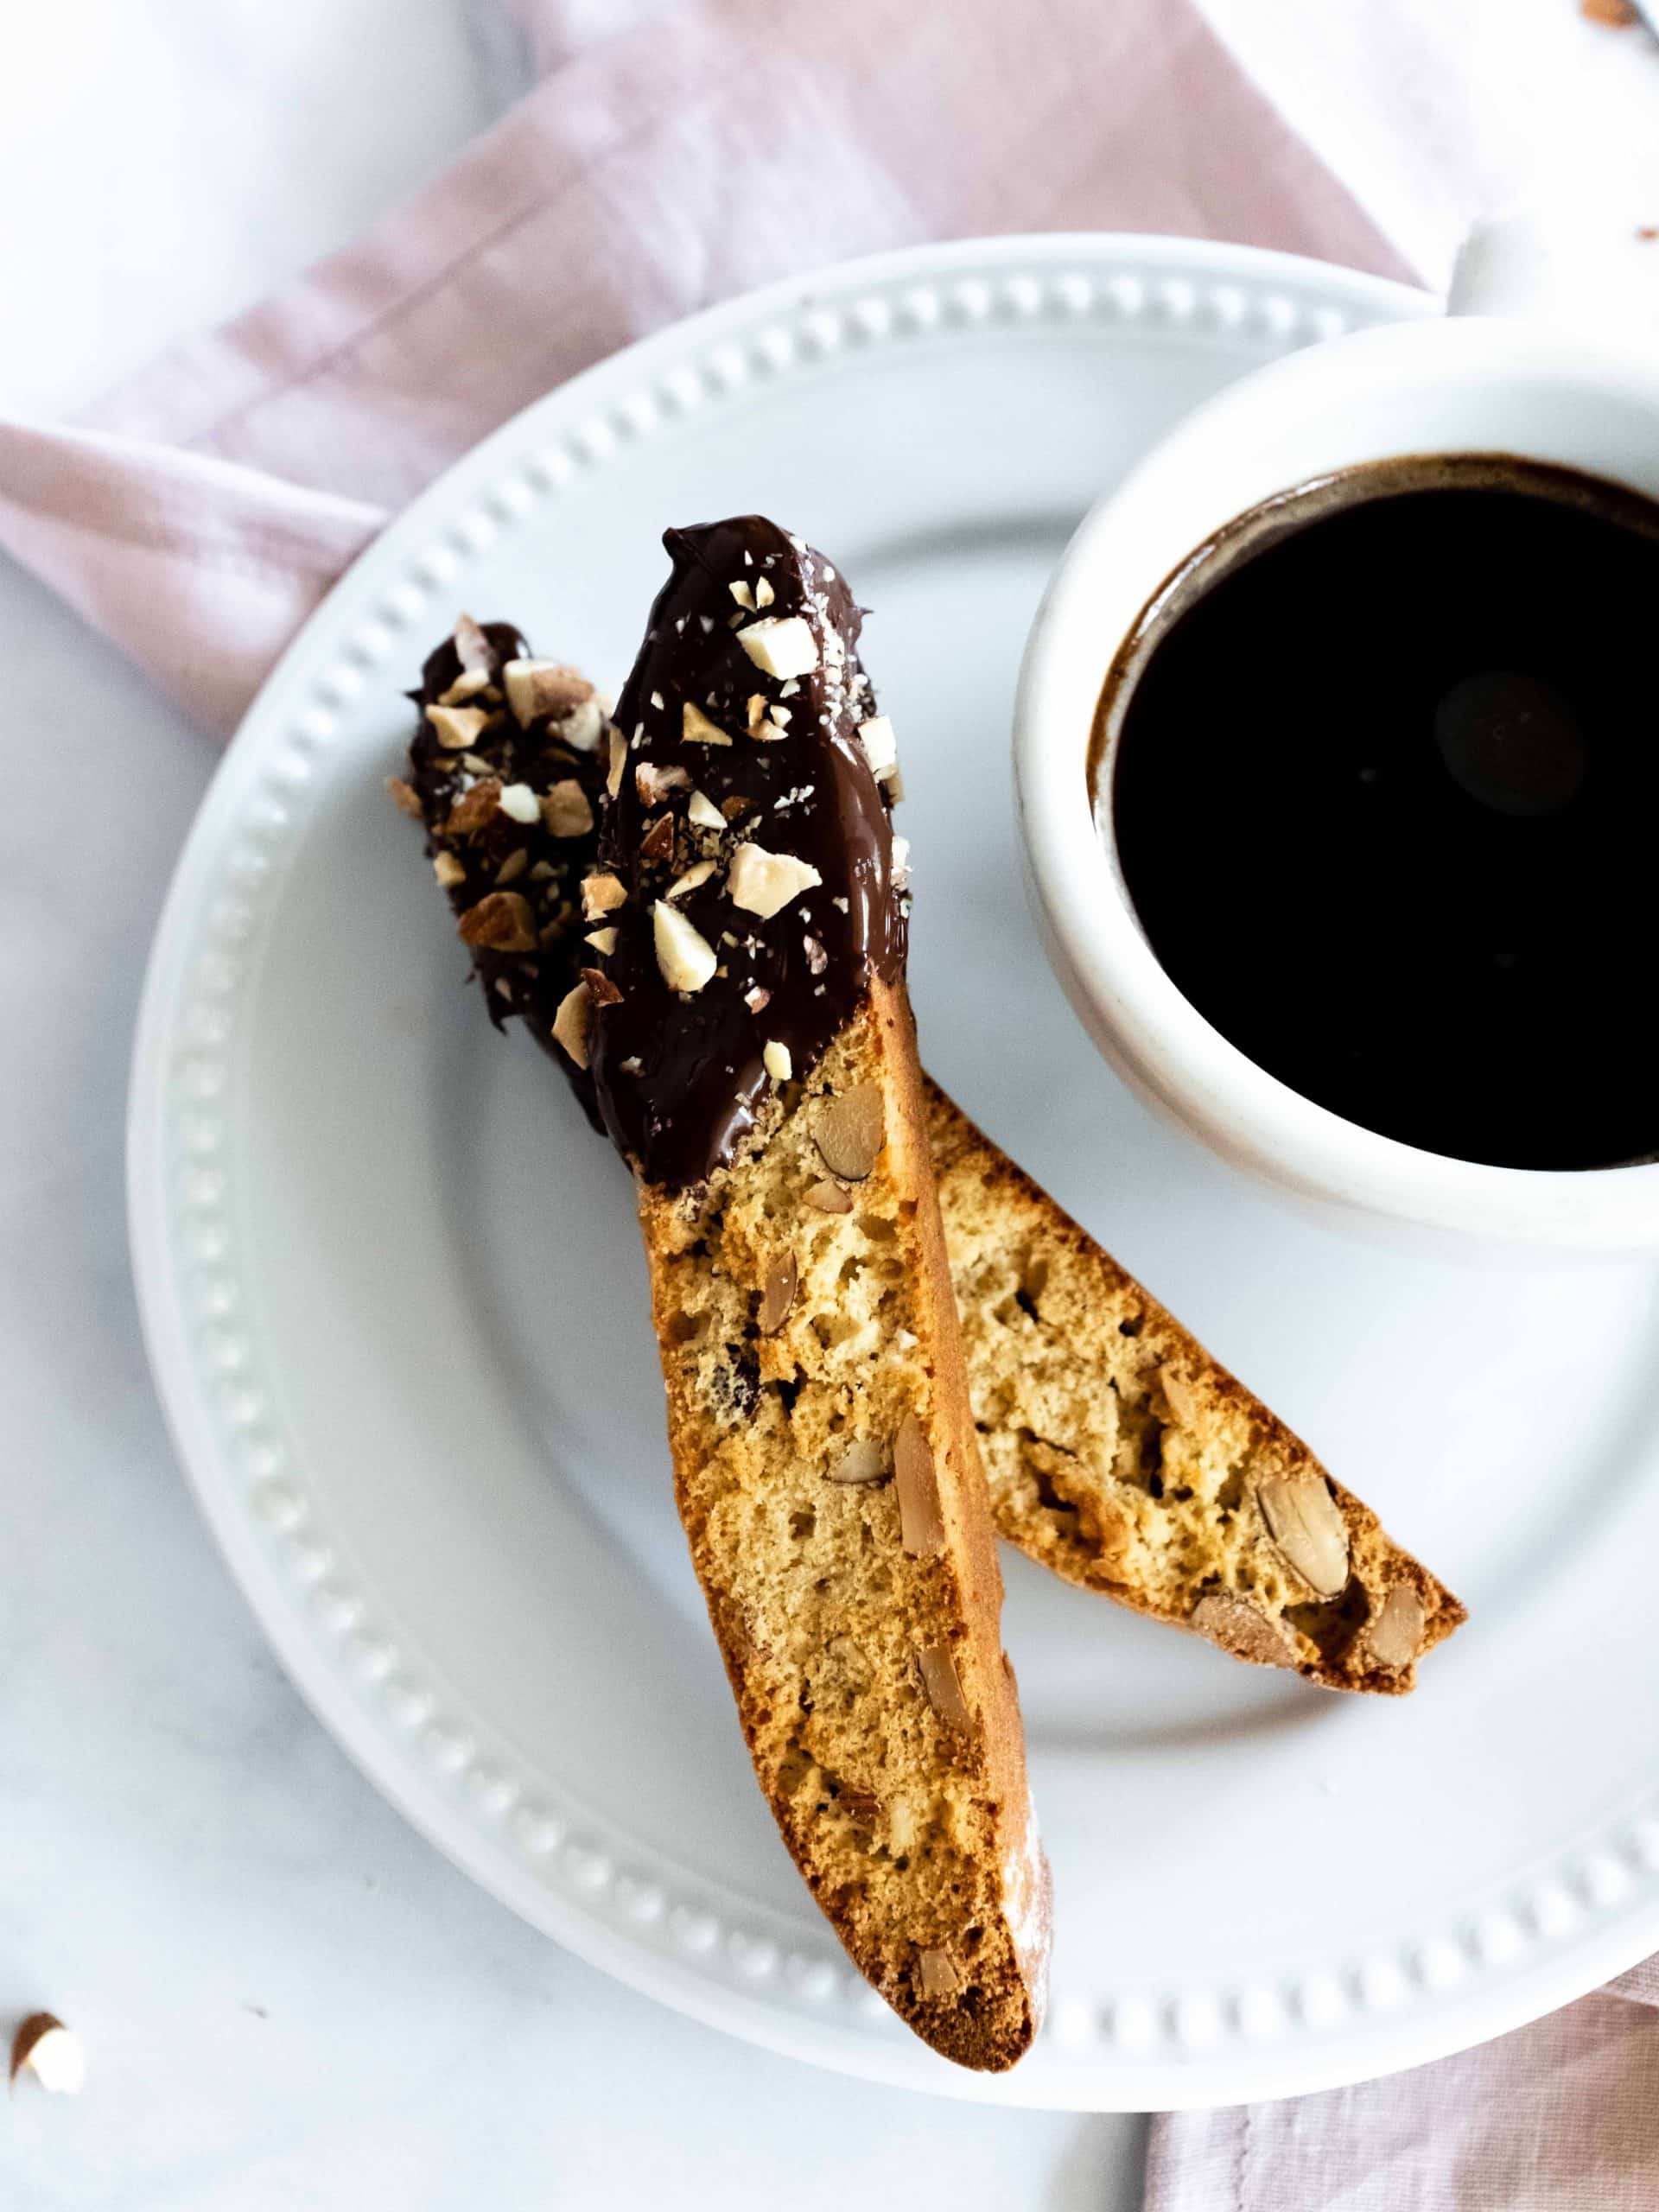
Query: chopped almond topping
x=573, y=1023
x=653, y=784
x=601, y=894
x=458, y=728
x=781, y=646
x=764, y=883
x=683, y=954
x=696, y=728
x=500, y=922
x=566, y=810
x=474, y=810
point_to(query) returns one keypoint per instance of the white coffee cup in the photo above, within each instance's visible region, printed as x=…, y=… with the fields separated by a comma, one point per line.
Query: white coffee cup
x=1467, y=383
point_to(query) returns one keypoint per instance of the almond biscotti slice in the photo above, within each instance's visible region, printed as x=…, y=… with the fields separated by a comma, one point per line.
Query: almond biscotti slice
x=1122, y=1456
x=745, y=1021
x=1068, y=1494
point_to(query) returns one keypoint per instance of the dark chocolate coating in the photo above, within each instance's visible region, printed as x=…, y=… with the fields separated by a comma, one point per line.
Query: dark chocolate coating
x=679, y=1075
x=527, y=986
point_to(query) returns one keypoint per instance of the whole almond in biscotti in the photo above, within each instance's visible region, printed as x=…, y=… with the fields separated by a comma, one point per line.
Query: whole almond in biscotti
x=754, y=1062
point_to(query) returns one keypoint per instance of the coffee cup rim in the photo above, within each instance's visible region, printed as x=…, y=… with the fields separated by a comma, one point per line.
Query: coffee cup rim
x=1315, y=403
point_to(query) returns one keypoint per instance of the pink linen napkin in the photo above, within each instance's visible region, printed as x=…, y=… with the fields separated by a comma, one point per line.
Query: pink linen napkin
x=694, y=148
x=686, y=152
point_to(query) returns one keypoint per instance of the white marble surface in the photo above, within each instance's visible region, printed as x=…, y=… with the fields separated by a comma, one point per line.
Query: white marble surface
x=287, y=1998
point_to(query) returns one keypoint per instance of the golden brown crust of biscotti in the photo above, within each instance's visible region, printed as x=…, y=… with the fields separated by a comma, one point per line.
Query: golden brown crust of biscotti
x=848, y=1637
x=1120, y=1454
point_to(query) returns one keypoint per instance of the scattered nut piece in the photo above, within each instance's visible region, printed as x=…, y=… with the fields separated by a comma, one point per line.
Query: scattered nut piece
x=500, y=922
x=734, y=809
x=764, y=883
x=783, y=1280
x=1305, y=1522
x=518, y=804
x=763, y=594
x=943, y=1685
x=474, y=809
x=539, y=688
x=817, y=958
x=601, y=894
x=619, y=760
x=829, y=1198
x=938, y=1972
x=573, y=1023
x=601, y=989
x=1241, y=1629
x=701, y=812
x=1395, y=1636
x=653, y=784
x=777, y=1060
x=758, y=996
x=921, y=1521
x=457, y=726
x=603, y=941
x=881, y=748
x=466, y=685
x=862, y=1462
x=513, y=867
x=657, y=843
x=849, y=1132
x=473, y=647
x=696, y=728
x=780, y=645
x=583, y=726
x=565, y=810
x=448, y=871
x=743, y=593
x=683, y=954
x=698, y=872
x=51, y=2052
x=404, y=797
x=900, y=862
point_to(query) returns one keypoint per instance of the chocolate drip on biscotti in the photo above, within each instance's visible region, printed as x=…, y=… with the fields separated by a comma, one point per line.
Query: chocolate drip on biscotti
x=506, y=769
x=751, y=836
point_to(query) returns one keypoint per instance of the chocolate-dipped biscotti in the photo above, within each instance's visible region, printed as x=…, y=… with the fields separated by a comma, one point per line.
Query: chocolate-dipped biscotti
x=1118, y=1452
x=743, y=1013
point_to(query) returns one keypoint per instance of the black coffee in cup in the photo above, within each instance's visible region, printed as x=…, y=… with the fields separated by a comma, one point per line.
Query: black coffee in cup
x=1380, y=764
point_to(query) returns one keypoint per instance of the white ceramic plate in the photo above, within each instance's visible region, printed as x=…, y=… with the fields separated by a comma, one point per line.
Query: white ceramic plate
x=397, y=1311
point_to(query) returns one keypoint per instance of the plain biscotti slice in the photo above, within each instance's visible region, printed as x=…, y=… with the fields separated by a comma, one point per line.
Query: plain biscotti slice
x=1122, y=1456
x=751, y=1052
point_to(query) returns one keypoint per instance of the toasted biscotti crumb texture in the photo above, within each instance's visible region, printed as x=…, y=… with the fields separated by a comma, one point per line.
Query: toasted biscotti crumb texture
x=878, y=1705
x=1120, y=1454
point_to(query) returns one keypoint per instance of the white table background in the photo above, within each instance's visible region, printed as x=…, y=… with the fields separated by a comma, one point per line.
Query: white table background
x=287, y=1997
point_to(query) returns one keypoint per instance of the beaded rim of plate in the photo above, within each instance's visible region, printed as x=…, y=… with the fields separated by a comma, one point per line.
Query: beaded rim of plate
x=186, y=1035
